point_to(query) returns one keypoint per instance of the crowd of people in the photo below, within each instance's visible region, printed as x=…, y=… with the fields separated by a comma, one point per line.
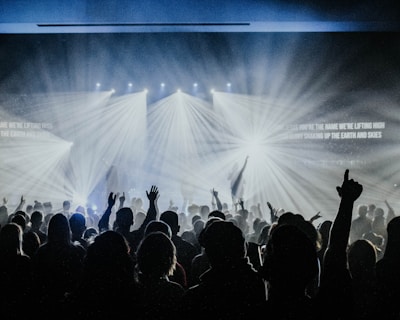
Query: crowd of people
x=211, y=262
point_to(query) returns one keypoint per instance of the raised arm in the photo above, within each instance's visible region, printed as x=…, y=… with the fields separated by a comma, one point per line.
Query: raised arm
x=217, y=200
x=121, y=200
x=152, y=211
x=315, y=217
x=104, y=221
x=272, y=213
x=238, y=180
x=335, y=291
x=391, y=214
x=20, y=205
x=348, y=192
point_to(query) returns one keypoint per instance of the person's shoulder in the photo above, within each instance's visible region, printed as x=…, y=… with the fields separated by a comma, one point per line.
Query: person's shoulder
x=179, y=240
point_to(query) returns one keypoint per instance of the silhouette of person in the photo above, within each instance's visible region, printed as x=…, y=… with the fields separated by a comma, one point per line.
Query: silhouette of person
x=156, y=260
x=231, y=288
x=15, y=273
x=237, y=182
x=108, y=288
x=57, y=266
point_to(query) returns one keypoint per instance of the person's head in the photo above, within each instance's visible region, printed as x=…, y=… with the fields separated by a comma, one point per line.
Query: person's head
x=77, y=223
x=371, y=208
x=156, y=255
x=20, y=220
x=108, y=257
x=36, y=218
x=217, y=213
x=198, y=226
x=66, y=205
x=81, y=209
x=89, y=234
x=124, y=218
x=362, y=210
x=140, y=216
x=156, y=225
x=47, y=207
x=195, y=218
x=204, y=211
x=29, y=209
x=291, y=258
x=223, y=242
x=393, y=238
x=171, y=218
x=38, y=206
x=361, y=257
x=58, y=229
x=138, y=203
x=30, y=243
x=11, y=239
x=379, y=212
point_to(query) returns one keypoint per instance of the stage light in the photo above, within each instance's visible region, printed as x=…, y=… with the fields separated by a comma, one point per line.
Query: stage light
x=195, y=84
x=212, y=91
x=130, y=84
x=228, y=84
x=98, y=84
x=112, y=91
x=178, y=91
x=162, y=84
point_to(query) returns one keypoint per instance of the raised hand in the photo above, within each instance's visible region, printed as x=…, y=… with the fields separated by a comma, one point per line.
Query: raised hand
x=153, y=194
x=111, y=199
x=350, y=189
x=316, y=216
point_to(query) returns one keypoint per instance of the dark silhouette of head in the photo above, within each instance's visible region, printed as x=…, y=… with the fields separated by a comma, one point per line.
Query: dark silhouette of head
x=156, y=225
x=171, y=218
x=223, y=242
x=362, y=257
x=19, y=219
x=77, y=223
x=11, y=239
x=217, y=213
x=107, y=256
x=291, y=258
x=156, y=255
x=124, y=218
x=59, y=230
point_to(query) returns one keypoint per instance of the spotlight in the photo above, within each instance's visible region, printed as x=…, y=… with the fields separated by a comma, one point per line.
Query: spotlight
x=178, y=91
x=195, y=84
x=112, y=91
x=98, y=84
x=162, y=84
x=228, y=84
x=130, y=84
x=212, y=91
